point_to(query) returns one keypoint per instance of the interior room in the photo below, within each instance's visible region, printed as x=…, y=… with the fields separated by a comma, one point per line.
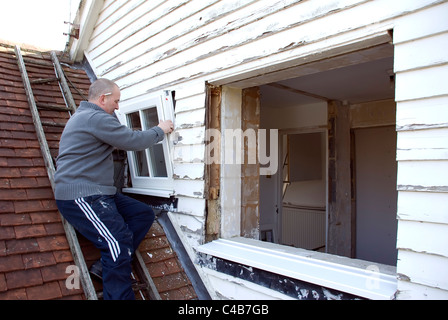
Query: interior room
x=294, y=202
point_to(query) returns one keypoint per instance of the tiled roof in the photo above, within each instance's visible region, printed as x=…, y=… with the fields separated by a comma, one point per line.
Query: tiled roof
x=163, y=264
x=34, y=252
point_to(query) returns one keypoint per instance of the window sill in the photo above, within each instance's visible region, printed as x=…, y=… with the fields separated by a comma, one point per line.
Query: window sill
x=361, y=278
x=149, y=192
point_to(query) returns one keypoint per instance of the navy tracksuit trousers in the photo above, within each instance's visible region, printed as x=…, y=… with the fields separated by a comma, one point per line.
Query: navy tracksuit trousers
x=116, y=225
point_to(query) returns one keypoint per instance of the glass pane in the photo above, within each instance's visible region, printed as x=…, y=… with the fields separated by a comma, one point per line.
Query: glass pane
x=156, y=156
x=158, y=161
x=141, y=164
x=140, y=160
x=134, y=121
x=150, y=118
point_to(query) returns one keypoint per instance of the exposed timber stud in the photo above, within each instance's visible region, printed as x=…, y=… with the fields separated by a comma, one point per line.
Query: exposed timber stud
x=250, y=172
x=213, y=170
x=340, y=220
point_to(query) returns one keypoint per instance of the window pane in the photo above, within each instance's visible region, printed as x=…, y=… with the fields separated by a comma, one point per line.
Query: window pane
x=156, y=155
x=140, y=160
x=141, y=164
x=158, y=161
x=150, y=118
x=134, y=121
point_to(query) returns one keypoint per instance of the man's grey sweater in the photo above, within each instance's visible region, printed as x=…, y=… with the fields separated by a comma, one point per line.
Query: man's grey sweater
x=85, y=164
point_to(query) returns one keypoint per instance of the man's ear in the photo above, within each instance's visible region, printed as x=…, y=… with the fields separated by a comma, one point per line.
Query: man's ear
x=102, y=100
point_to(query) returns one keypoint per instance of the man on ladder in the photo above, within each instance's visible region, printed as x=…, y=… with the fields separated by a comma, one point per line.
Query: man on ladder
x=84, y=184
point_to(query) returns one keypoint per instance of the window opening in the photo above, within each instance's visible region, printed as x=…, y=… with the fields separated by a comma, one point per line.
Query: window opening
x=361, y=92
x=307, y=203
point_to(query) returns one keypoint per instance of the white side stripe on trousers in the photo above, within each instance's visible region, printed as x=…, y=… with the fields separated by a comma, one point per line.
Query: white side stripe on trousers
x=100, y=227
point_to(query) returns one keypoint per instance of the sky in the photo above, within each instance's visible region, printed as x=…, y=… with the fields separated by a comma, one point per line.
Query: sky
x=39, y=23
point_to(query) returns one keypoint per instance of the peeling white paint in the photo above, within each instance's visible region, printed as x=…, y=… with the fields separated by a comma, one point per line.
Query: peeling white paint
x=227, y=41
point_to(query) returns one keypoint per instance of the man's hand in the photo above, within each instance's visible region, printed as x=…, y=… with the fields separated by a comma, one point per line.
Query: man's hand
x=167, y=126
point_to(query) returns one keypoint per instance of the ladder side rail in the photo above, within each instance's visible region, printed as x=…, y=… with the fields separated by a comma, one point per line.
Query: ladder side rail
x=144, y=273
x=63, y=82
x=78, y=257
x=36, y=118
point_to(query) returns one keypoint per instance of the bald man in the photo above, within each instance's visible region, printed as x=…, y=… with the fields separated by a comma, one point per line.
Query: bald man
x=84, y=184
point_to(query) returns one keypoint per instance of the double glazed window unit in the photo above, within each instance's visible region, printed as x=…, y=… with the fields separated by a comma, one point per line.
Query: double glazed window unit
x=150, y=169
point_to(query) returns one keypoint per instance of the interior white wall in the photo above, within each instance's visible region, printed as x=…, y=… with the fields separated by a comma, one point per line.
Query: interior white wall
x=230, y=173
x=308, y=117
x=298, y=116
x=309, y=192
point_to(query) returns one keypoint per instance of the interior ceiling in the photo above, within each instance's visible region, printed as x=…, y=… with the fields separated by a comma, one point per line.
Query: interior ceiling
x=369, y=80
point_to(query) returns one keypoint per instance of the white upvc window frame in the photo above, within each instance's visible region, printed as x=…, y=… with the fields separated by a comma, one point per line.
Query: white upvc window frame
x=150, y=185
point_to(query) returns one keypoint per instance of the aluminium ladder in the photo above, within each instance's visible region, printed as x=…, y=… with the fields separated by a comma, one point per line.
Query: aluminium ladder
x=72, y=238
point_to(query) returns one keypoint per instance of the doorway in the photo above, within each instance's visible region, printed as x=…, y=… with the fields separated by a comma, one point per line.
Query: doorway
x=303, y=203
x=376, y=196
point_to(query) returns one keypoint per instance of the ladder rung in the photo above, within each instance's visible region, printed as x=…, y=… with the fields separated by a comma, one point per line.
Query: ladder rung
x=52, y=124
x=51, y=107
x=138, y=286
x=39, y=63
x=44, y=80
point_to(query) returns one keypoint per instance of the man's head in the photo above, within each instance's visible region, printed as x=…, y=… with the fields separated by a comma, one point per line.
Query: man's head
x=105, y=94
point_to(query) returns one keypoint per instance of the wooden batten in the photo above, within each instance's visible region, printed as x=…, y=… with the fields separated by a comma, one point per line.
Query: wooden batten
x=250, y=173
x=213, y=170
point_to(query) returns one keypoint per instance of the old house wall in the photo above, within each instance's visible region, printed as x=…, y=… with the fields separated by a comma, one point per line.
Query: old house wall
x=180, y=45
x=421, y=66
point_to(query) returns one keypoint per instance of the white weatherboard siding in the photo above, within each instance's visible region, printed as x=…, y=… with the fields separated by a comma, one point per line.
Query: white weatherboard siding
x=421, y=66
x=180, y=45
